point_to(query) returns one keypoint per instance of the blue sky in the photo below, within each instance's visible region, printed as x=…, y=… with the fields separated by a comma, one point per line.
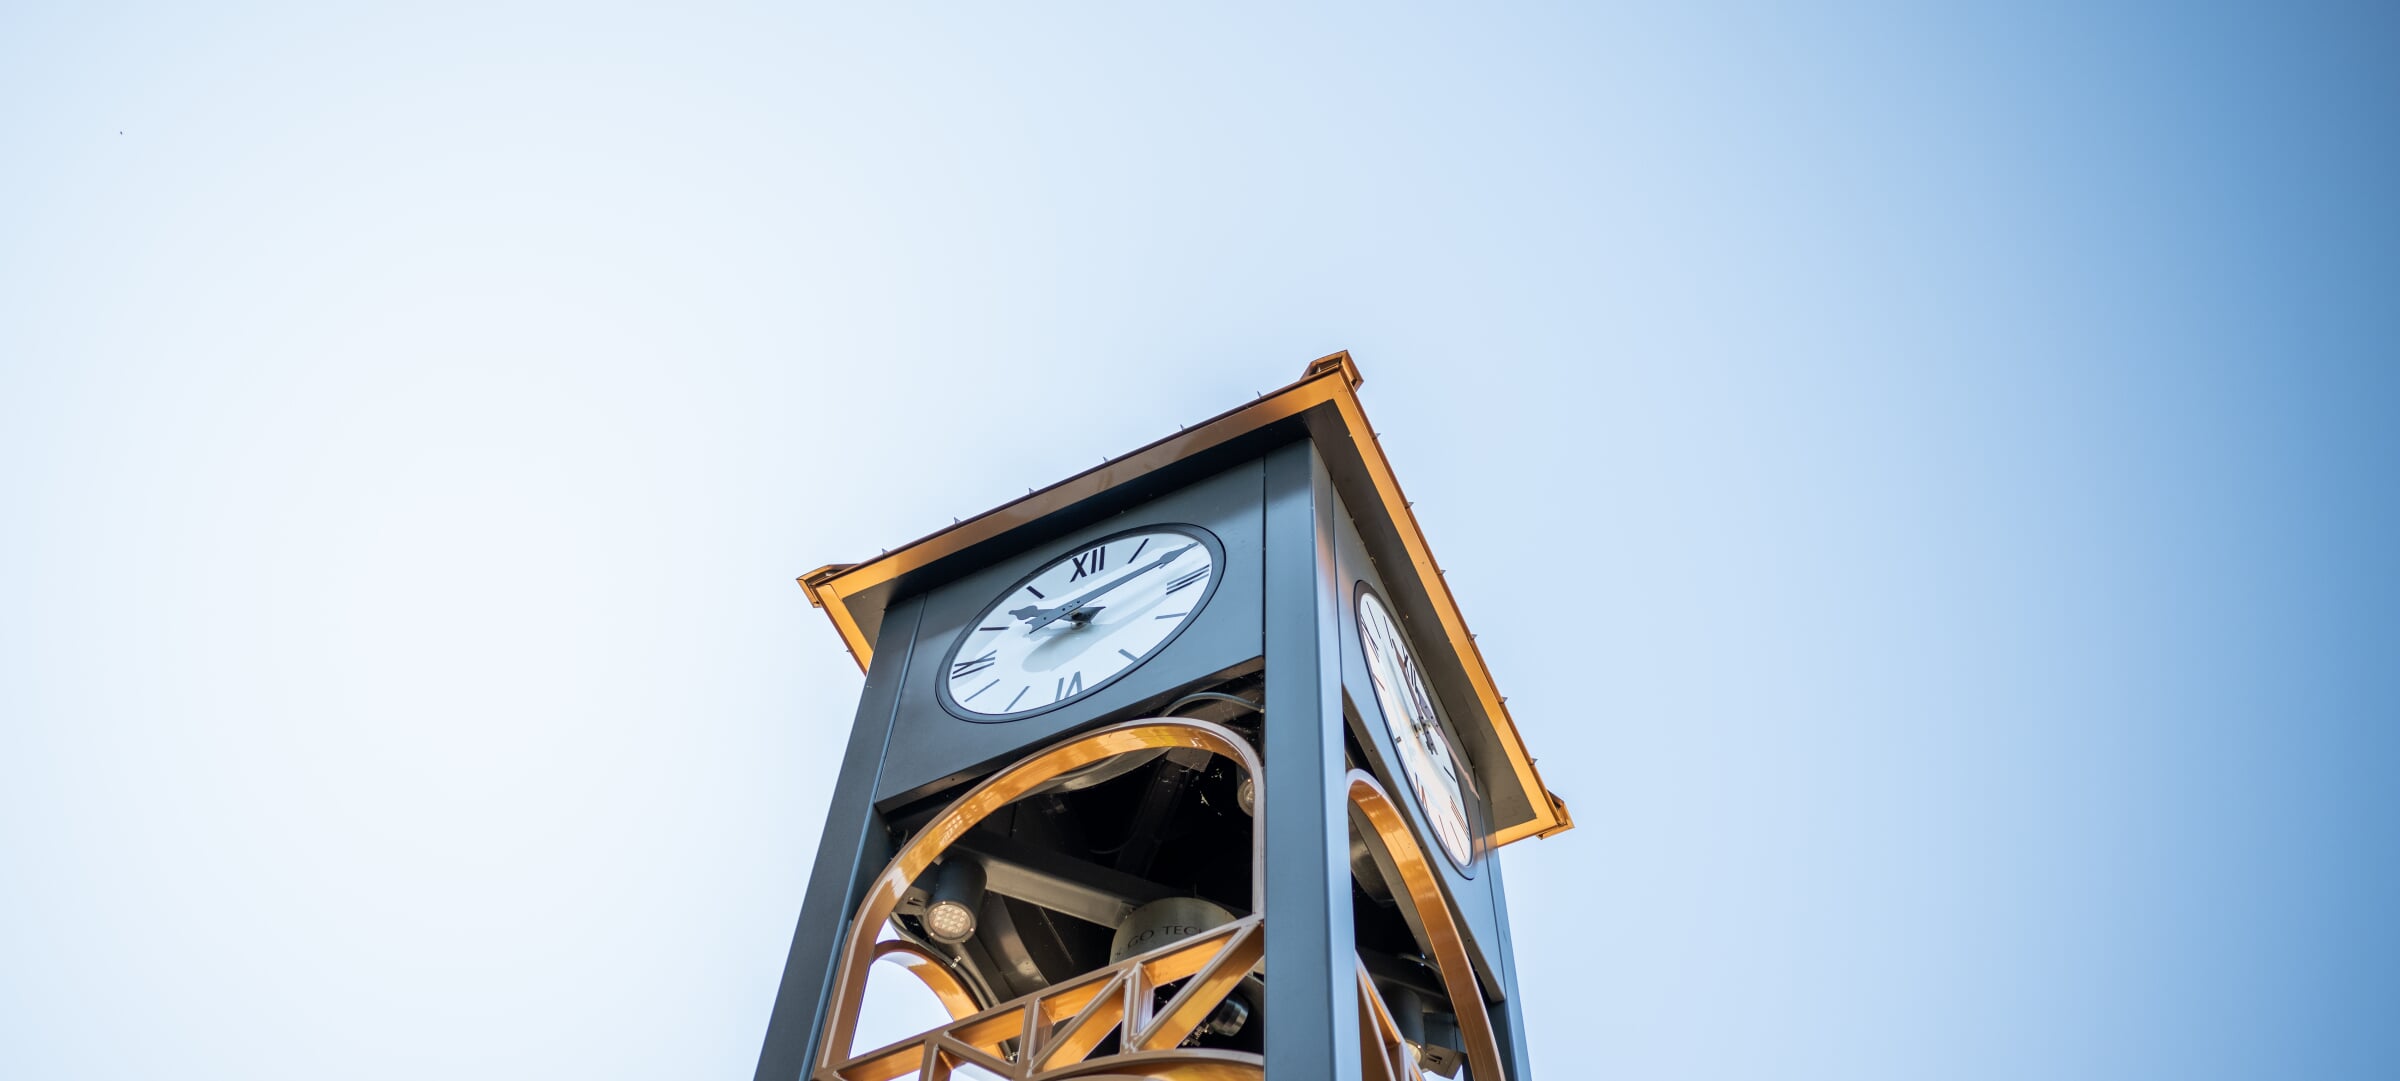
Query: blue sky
x=1976, y=427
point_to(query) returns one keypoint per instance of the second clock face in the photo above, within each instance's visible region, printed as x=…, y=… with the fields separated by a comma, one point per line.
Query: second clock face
x=1078, y=623
x=1433, y=770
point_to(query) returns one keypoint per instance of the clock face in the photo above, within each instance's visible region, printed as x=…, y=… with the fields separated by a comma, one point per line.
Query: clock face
x=1071, y=627
x=1443, y=787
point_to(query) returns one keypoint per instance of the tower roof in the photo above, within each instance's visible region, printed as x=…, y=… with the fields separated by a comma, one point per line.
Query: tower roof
x=1322, y=406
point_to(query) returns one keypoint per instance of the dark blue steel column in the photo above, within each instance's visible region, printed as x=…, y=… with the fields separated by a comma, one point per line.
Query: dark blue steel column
x=1511, y=1021
x=1312, y=997
x=854, y=848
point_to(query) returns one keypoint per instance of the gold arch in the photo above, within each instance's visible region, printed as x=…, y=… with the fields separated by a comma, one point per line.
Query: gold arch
x=1423, y=885
x=933, y=972
x=1232, y=942
x=1173, y=1066
x=1094, y=1004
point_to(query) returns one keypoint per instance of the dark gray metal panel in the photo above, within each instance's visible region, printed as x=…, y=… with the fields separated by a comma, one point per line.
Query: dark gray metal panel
x=933, y=749
x=1411, y=600
x=853, y=849
x=1512, y=1018
x=1312, y=1004
x=1471, y=897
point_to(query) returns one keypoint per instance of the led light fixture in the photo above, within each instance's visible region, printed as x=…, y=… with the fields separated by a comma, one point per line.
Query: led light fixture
x=957, y=897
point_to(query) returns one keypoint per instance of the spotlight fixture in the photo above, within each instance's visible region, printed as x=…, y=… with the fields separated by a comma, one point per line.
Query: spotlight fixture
x=957, y=897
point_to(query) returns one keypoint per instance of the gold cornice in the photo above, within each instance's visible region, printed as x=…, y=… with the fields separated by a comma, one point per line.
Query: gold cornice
x=832, y=586
x=1331, y=382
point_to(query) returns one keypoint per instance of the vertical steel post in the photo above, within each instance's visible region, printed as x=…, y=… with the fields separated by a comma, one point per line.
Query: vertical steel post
x=1312, y=1003
x=853, y=850
x=1511, y=1022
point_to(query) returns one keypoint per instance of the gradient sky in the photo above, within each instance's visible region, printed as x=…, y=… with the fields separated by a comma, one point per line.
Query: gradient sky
x=1972, y=434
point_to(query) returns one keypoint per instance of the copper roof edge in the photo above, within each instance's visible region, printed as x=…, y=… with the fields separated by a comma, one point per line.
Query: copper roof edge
x=1333, y=380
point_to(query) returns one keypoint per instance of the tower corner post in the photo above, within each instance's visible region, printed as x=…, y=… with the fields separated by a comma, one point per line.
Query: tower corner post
x=853, y=848
x=1312, y=1030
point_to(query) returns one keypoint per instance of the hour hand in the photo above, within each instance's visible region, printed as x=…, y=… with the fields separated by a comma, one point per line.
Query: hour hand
x=1043, y=617
x=1037, y=616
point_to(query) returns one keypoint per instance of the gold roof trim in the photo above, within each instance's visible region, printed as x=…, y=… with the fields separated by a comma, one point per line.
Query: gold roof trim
x=1331, y=381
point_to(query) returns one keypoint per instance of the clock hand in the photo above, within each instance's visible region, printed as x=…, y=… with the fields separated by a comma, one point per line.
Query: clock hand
x=1029, y=613
x=1038, y=618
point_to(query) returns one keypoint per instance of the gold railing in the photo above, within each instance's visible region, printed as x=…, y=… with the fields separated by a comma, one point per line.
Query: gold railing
x=1049, y=1033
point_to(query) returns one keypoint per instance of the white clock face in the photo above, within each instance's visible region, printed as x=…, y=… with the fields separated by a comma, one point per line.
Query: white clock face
x=1078, y=623
x=1433, y=770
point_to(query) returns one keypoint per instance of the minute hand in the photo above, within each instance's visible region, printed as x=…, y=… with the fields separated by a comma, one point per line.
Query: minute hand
x=1043, y=617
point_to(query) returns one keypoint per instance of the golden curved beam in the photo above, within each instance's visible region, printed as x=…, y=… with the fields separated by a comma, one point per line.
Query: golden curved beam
x=1424, y=887
x=1185, y=1065
x=933, y=972
x=995, y=792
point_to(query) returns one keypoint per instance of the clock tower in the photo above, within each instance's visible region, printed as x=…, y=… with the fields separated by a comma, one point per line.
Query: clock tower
x=1185, y=767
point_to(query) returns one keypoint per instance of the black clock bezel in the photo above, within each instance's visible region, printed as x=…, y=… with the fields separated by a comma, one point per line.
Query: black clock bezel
x=1216, y=577
x=1478, y=830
